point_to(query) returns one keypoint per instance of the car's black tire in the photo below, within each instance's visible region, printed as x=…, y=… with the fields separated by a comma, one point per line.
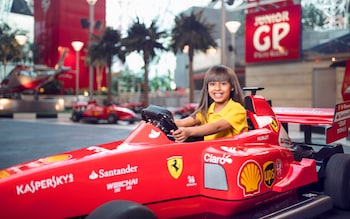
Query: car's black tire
x=112, y=118
x=337, y=181
x=121, y=210
x=76, y=116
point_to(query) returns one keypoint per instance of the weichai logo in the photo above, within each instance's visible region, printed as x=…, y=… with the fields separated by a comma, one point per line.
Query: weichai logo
x=127, y=184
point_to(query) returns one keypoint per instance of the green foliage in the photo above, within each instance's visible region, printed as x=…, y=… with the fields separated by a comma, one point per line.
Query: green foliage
x=161, y=83
x=10, y=50
x=106, y=46
x=101, y=53
x=194, y=32
x=144, y=40
x=312, y=17
x=129, y=82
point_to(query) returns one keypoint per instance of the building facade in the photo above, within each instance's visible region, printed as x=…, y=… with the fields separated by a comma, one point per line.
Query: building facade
x=295, y=73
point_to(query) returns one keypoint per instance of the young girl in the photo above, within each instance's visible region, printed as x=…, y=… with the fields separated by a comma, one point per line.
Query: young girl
x=220, y=112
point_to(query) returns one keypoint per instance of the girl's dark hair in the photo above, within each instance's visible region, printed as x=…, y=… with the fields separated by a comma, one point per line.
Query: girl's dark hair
x=214, y=74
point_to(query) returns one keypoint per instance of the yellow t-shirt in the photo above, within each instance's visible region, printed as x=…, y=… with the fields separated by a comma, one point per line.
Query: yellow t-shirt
x=233, y=112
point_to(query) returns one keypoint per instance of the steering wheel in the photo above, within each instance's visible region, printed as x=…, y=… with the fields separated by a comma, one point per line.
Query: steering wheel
x=161, y=118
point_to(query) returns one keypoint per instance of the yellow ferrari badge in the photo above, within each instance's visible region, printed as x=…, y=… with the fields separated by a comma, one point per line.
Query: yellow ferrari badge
x=274, y=125
x=175, y=166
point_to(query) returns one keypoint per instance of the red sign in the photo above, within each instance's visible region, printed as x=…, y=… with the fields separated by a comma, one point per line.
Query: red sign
x=273, y=35
x=341, y=123
x=260, y=5
x=345, y=91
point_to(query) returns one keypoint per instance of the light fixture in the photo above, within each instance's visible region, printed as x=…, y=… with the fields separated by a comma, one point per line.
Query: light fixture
x=77, y=46
x=185, y=49
x=21, y=39
x=91, y=2
x=233, y=26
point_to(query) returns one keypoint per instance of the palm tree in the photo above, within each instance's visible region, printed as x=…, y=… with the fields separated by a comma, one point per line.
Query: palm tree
x=194, y=32
x=10, y=50
x=146, y=40
x=102, y=53
x=312, y=17
x=98, y=60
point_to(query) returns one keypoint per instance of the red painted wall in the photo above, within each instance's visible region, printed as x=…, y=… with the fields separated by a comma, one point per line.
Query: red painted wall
x=56, y=24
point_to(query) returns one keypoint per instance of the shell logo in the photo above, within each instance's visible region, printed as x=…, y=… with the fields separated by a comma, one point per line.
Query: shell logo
x=250, y=178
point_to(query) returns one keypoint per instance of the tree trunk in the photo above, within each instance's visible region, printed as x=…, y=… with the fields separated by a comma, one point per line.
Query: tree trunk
x=109, y=85
x=191, y=80
x=145, y=84
x=4, y=63
x=98, y=77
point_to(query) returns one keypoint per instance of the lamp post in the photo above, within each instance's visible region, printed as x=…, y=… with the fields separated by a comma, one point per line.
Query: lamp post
x=223, y=30
x=233, y=27
x=223, y=33
x=77, y=46
x=91, y=29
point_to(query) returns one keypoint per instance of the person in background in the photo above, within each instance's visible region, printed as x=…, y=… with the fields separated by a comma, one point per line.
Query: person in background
x=220, y=112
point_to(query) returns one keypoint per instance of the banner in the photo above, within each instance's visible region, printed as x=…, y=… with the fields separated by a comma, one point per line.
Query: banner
x=273, y=35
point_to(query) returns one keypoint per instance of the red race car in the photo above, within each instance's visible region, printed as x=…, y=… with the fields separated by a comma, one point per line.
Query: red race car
x=259, y=173
x=185, y=110
x=134, y=106
x=94, y=112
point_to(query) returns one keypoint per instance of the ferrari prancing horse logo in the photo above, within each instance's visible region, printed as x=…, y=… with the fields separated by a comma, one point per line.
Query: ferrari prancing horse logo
x=175, y=166
x=274, y=125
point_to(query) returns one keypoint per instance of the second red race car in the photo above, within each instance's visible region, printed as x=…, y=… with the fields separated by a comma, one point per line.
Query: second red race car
x=260, y=173
x=94, y=112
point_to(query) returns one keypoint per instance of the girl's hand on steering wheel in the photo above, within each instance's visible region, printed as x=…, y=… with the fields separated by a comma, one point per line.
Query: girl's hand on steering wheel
x=181, y=134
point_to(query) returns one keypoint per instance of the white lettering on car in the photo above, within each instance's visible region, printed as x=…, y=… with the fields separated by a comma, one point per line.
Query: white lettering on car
x=127, y=184
x=191, y=181
x=97, y=149
x=154, y=134
x=102, y=173
x=262, y=138
x=36, y=185
x=211, y=158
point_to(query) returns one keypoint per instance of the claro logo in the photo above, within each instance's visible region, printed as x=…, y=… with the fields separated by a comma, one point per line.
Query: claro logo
x=211, y=158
